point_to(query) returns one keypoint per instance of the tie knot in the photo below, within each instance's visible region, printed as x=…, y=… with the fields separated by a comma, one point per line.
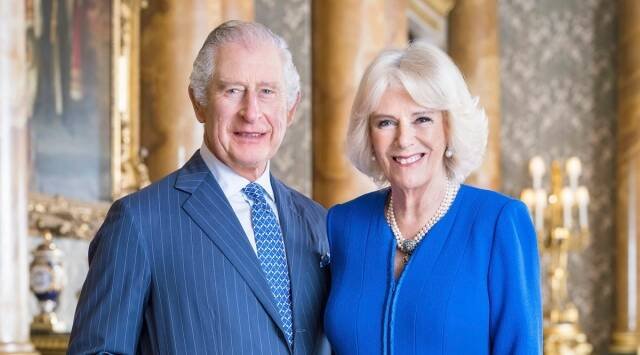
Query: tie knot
x=254, y=192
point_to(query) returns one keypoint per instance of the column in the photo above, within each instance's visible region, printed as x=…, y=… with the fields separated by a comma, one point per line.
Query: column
x=625, y=332
x=346, y=36
x=238, y=10
x=14, y=282
x=474, y=45
x=172, y=32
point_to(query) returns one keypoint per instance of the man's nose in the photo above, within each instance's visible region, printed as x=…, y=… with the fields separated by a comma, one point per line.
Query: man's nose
x=404, y=136
x=251, y=107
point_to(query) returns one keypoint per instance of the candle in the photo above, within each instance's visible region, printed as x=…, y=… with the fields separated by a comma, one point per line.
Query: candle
x=574, y=169
x=582, y=197
x=529, y=198
x=537, y=170
x=541, y=203
x=567, y=203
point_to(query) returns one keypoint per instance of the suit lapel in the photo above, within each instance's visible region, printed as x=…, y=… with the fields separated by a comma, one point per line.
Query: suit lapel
x=292, y=227
x=210, y=210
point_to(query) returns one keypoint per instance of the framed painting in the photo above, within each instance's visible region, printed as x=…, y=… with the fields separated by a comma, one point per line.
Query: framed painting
x=84, y=119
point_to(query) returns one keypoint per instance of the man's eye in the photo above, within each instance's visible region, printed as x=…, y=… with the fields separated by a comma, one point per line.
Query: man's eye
x=268, y=91
x=233, y=91
x=424, y=119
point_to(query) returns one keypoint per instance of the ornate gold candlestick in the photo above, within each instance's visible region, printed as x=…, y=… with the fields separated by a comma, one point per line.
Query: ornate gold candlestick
x=561, y=220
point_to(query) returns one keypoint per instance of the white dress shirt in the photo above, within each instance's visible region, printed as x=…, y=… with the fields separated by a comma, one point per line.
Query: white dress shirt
x=232, y=183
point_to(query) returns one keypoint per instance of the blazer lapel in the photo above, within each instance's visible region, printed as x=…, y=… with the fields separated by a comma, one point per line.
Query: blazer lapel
x=211, y=211
x=292, y=227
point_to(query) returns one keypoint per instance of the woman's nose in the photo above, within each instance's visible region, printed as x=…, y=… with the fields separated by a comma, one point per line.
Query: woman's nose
x=405, y=135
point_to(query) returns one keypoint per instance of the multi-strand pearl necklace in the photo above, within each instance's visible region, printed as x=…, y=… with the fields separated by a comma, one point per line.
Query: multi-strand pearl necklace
x=407, y=246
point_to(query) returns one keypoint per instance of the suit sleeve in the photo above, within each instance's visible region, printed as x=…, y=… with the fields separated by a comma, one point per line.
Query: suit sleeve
x=109, y=314
x=514, y=284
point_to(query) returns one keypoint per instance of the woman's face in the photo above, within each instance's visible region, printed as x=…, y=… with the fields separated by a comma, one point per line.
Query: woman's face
x=408, y=140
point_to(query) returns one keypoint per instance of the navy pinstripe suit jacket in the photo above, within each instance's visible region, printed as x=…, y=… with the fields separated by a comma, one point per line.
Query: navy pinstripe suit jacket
x=172, y=272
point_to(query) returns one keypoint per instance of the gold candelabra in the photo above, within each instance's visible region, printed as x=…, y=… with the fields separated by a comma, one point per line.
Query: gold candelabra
x=561, y=221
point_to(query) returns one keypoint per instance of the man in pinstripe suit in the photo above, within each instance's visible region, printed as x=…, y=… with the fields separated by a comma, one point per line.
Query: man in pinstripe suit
x=218, y=257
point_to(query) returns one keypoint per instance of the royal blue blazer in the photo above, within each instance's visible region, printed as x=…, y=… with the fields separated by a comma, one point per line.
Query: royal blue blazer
x=472, y=285
x=172, y=272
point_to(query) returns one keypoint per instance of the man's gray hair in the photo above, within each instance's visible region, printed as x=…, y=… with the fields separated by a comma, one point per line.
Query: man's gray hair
x=432, y=80
x=233, y=32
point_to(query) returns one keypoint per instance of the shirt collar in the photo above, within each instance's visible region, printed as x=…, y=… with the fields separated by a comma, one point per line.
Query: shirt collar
x=231, y=182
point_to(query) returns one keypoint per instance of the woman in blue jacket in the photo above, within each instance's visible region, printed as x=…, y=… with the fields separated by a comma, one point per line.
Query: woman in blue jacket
x=428, y=265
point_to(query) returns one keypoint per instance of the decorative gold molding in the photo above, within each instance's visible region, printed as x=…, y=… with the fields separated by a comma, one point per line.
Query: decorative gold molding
x=64, y=217
x=127, y=170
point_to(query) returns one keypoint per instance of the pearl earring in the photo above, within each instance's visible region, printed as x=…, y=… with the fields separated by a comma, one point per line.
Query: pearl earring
x=448, y=153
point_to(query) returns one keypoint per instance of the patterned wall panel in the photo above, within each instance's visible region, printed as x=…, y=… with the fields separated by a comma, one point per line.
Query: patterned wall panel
x=558, y=97
x=292, y=20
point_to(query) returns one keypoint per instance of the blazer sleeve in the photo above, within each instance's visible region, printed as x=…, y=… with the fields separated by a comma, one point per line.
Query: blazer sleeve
x=109, y=314
x=514, y=284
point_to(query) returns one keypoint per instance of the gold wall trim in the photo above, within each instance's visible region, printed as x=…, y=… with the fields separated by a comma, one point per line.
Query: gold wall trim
x=64, y=217
x=127, y=170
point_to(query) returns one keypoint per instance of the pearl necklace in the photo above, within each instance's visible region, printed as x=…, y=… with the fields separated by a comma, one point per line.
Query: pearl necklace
x=407, y=246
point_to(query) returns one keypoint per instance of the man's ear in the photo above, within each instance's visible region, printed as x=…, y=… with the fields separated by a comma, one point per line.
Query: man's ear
x=291, y=113
x=197, y=108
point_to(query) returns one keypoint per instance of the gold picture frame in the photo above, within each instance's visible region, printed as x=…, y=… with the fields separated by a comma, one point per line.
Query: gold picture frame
x=67, y=217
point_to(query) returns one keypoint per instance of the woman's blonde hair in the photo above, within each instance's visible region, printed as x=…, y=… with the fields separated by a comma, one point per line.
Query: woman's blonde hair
x=432, y=80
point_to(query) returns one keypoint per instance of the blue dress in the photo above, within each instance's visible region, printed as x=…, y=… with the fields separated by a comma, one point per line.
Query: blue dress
x=472, y=285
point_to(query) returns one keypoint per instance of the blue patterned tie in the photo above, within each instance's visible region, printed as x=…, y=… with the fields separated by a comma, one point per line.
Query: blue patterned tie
x=271, y=253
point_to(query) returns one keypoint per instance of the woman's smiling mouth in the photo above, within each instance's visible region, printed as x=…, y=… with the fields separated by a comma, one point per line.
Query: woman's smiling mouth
x=407, y=160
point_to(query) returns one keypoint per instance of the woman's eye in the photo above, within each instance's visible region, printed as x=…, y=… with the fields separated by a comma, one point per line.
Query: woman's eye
x=384, y=123
x=424, y=119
